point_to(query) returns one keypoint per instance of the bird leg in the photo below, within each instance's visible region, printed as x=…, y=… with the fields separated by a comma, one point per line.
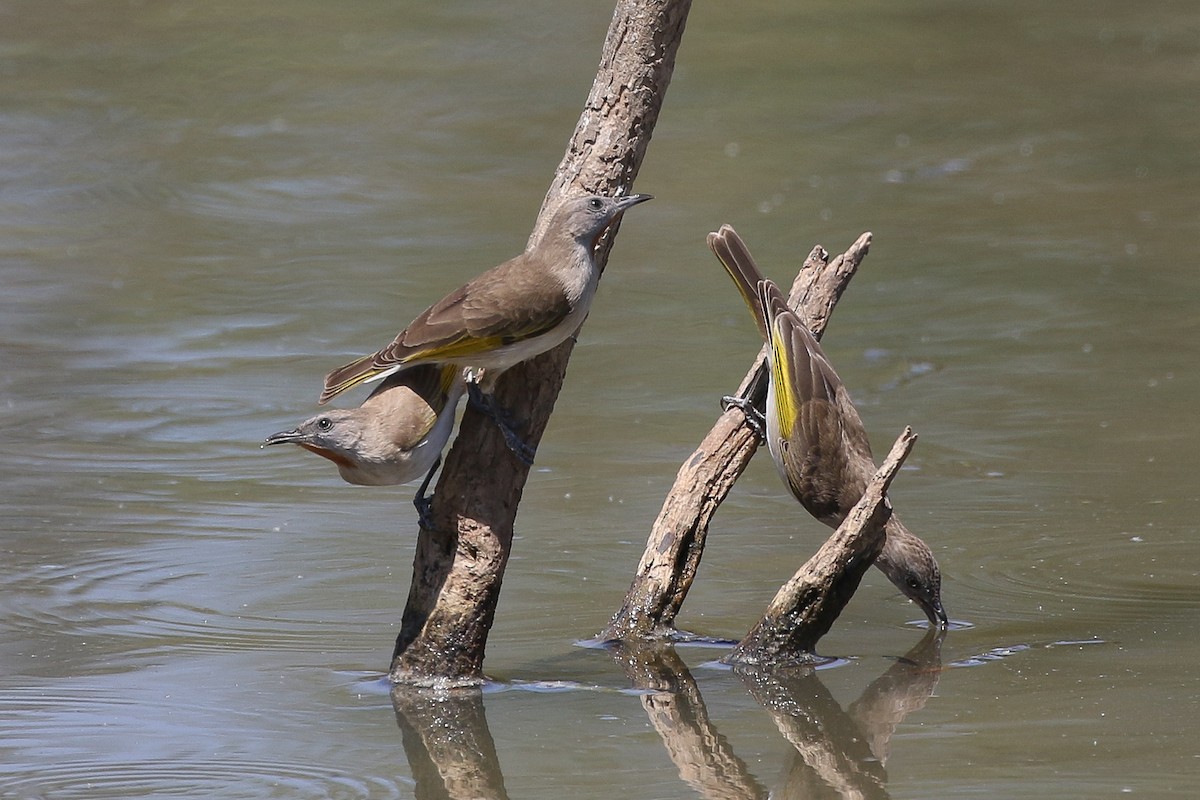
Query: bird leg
x=422, y=501
x=487, y=404
x=755, y=419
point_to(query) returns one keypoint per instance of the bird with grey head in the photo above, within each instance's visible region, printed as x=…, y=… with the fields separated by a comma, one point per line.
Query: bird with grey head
x=396, y=436
x=508, y=314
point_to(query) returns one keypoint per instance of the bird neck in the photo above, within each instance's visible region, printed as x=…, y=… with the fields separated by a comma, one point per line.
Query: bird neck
x=898, y=545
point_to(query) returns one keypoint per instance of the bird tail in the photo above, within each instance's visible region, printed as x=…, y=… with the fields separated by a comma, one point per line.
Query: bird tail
x=733, y=254
x=350, y=375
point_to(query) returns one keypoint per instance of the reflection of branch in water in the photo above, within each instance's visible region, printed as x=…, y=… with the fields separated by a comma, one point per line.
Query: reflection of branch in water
x=676, y=710
x=838, y=753
x=449, y=747
x=832, y=760
x=842, y=754
x=904, y=688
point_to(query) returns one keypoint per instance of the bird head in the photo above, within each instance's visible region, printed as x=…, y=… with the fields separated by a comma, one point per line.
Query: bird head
x=909, y=564
x=335, y=435
x=585, y=219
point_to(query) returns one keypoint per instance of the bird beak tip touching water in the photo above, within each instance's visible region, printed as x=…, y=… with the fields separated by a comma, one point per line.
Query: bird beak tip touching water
x=937, y=616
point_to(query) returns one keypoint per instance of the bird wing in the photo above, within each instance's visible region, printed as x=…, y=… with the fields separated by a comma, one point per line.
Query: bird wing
x=422, y=394
x=406, y=405
x=823, y=438
x=516, y=301
x=512, y=302
x=347, y=376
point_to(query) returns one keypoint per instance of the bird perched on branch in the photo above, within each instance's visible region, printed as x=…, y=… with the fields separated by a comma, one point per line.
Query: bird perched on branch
x=512, y=312
x=813, y=431
x=396, y=436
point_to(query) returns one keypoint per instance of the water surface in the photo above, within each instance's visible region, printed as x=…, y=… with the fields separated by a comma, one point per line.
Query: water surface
x=203, y=208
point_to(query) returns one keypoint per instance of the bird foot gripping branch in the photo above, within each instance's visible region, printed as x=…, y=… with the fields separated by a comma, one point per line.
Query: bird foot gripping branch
x=755, y=419
x=486, y=404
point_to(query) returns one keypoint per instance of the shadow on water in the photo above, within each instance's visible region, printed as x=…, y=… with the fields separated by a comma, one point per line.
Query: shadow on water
x=838, y=752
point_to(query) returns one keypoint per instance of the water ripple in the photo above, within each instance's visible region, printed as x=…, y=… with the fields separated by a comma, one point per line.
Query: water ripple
x=142, y=604
x=1113, y=576
x=215, y=778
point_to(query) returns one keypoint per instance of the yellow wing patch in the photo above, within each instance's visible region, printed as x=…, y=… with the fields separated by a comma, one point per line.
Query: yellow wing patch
x=787, y=404
x=462, y=348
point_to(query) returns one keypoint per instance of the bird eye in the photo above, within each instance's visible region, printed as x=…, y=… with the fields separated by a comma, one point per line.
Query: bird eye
x=324, y=423
x=913, y=583
x=595, y=204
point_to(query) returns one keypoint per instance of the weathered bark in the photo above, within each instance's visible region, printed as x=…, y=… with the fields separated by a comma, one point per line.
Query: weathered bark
x=676, y=542
x=459, y=566
x=806, y=606
x=450, y=750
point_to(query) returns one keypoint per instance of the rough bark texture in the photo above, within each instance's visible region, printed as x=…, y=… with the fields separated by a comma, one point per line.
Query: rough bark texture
x=459, y=566
x=676, y=542
x=806, y=606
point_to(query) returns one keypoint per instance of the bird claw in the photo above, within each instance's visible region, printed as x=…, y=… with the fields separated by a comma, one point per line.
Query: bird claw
x=424, y=502
x=755, y=419
x=487, y=404
x=424, y=506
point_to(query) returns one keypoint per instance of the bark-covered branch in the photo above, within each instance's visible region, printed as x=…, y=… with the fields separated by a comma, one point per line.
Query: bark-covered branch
x=459, y=566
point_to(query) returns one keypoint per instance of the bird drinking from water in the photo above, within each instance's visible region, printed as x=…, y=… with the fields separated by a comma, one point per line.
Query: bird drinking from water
x=813, y=431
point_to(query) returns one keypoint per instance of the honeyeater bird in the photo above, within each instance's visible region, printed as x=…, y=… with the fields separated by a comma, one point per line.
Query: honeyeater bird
x=813, y=431
x=513, y=312
x=397, y=435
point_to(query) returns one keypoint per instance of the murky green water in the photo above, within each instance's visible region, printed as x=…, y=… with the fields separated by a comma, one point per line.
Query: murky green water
x=203, y=207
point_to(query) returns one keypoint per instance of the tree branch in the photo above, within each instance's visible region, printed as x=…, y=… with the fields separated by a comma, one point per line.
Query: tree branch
x=458, y=568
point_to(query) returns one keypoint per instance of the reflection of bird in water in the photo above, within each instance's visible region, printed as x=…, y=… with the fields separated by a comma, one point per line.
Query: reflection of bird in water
x=906, y=687
x=395, y=436
x=813, y=431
